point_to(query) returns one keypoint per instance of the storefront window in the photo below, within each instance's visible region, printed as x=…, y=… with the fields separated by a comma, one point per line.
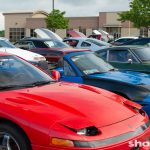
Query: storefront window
x=16, y=34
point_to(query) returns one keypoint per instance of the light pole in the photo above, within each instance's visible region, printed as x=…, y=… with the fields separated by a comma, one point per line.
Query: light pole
x=129, y=28
x=53, y=5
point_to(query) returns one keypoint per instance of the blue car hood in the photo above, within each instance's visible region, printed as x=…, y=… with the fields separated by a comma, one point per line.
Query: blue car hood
x=125, y=76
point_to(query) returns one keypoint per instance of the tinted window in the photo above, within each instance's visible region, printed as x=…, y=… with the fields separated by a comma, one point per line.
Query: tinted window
x=120, y=56
x=40, y=44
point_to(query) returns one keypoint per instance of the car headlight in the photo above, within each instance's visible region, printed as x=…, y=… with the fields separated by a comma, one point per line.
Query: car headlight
x=39, y=58
x=89, y=131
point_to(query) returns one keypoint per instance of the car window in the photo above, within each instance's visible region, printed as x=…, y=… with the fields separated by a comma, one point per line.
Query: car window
x=89, y=63
x=102, y=54
x=68, y=71
x=14, y=72
x=85, y=44
x=72, y=43
x=120, y=56
x=26, y=45
x=143, y=54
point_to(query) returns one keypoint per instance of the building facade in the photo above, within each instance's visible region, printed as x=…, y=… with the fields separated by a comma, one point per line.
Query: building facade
x=22, y=24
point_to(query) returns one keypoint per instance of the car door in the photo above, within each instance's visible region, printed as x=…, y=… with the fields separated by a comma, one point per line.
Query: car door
x=123, y=59
x=68, y=73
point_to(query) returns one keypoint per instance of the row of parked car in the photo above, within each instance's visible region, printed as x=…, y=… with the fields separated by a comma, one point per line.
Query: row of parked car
x=103, y=112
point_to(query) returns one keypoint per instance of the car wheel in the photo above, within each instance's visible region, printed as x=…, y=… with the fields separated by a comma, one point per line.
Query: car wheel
x=11, y=138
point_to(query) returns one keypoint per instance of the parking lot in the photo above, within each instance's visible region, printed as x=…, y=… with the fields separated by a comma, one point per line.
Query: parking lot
x=72, y=80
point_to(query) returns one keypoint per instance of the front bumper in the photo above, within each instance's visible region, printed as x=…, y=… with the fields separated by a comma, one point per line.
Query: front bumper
x=124, y=145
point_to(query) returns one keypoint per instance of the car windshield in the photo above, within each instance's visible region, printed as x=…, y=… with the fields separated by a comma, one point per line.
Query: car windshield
x=143, y=54
x=98, y=42
x=56, y=44
x=15, y=72
x=7, y=44
x=89, y=63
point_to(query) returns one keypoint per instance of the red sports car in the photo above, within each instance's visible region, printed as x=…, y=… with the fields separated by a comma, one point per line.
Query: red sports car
x=38, y=113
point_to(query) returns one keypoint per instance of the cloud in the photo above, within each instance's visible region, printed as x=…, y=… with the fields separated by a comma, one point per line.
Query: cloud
x=72, y=7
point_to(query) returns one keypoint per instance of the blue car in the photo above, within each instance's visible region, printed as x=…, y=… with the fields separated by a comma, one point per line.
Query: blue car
x=87, y=68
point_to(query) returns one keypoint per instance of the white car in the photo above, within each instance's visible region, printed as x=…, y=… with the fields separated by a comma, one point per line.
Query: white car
x=87, y=43
x=75, y=42
x=36, y=59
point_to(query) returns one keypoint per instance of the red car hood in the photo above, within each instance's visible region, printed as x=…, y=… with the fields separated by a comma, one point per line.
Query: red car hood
x=74, y=33
x=70, y=103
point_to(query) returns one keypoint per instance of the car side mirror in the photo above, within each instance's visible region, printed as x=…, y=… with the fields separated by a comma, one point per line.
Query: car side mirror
x=55, y=75
x=61, y=71
x=130, y=61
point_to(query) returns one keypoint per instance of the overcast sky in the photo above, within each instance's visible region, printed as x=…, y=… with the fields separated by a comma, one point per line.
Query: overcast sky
x=72, y=7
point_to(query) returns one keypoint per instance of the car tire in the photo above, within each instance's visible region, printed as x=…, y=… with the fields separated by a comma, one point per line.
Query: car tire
x=11, y=137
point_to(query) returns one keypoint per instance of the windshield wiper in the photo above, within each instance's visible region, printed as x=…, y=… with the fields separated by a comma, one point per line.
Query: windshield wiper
x=14, y=86
x=98, y=72
x=38, y=83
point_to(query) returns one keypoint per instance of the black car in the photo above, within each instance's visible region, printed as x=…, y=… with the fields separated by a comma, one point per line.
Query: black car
x=140, y=41
x=38, y=43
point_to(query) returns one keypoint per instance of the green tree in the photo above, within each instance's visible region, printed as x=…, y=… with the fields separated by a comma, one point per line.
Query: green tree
x=2, y=33
x=139, y=13
x=56, y=20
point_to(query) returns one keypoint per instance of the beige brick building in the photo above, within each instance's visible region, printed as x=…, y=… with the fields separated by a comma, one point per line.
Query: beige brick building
x=21, y=24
